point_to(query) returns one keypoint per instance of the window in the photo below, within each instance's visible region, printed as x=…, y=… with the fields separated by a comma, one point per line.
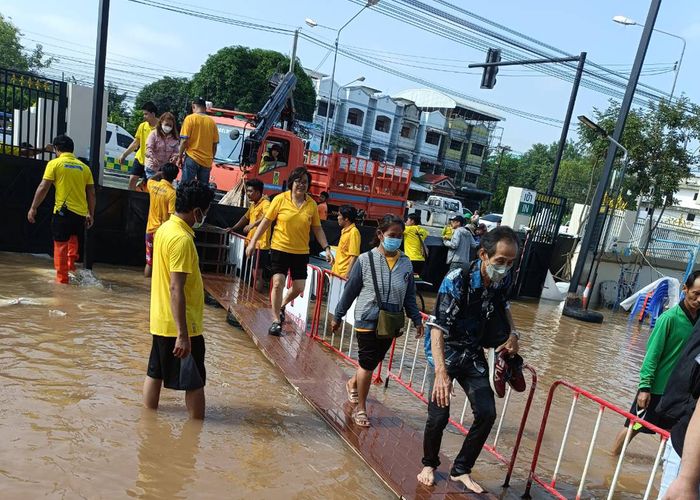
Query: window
x=376, y=154
x=432, y=138
x=690, y=218
x=470, y=178
x=382, y=124
x=323, y=108
x=456, y=145
x=124, y=141
x=407, y=132
x=477, y=150
x=355, y=117
x=695, y=196
x=108, y=136
x=401, y=161
x=451, y=206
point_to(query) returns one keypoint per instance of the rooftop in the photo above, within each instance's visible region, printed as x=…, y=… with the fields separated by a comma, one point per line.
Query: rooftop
x=433, y=99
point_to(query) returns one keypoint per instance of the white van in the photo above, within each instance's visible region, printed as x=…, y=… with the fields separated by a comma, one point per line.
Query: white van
x=116, y=141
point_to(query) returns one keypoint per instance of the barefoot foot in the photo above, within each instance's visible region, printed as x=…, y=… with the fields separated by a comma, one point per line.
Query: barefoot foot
x=467, y=481
x=427, y=476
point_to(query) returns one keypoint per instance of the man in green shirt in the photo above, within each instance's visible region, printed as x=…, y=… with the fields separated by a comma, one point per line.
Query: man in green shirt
x=666, y=342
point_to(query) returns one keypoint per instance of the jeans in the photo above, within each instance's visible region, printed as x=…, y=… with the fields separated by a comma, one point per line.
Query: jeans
x=193, y=170
x=481, y=399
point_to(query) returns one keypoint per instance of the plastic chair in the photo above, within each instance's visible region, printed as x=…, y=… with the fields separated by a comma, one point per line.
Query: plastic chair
x=651, y=304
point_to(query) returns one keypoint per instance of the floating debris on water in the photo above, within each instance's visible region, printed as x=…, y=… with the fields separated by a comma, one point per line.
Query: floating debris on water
x=57, y=313
x=20, y=301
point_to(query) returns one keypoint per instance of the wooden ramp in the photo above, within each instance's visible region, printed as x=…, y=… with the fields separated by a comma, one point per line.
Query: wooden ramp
x=390, y=447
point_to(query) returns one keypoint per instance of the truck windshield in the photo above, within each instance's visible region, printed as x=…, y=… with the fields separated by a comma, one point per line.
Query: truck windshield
x=229, y=150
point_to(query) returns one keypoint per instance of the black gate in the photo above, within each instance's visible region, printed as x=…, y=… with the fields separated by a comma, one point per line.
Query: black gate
x=539, y=244
x=32, y=112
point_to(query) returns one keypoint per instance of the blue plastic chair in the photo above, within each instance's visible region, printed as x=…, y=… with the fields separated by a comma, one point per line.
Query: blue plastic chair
x=654, y=306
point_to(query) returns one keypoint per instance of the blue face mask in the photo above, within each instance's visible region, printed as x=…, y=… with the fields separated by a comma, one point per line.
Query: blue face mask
x=391, y=244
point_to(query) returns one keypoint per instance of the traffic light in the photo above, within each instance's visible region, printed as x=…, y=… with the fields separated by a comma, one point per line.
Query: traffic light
x=488, y=80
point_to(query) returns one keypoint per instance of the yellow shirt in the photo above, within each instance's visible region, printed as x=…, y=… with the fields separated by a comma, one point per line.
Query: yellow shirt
x=162, y=198
x=447, y=232
x=291, y=233
x=348, y=247
x=202, y=134
x=413, y=238
x=142, y=134
x=70, y=176
x=174, y=251
x=255, y=212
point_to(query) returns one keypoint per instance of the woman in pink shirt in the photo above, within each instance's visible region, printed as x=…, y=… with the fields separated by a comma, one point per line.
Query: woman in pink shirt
x=162, y=144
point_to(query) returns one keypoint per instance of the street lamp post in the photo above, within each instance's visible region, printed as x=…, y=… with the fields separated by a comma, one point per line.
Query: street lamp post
x=369, y=3
x=626, y=21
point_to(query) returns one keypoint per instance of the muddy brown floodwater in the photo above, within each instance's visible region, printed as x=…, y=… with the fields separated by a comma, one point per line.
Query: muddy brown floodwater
x=71, y=423
x=73, y=359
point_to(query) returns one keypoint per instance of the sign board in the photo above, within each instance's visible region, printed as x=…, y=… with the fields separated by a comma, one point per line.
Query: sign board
x=297, y=310
x=527, y=202
x=336, y=287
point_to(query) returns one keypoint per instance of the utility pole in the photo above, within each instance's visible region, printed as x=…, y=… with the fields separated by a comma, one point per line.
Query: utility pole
x=494, y=176
x=292, y=60
x=572, y=307
x=97, y=130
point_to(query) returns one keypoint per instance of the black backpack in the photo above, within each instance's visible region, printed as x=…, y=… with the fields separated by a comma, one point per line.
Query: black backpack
x=683, y=386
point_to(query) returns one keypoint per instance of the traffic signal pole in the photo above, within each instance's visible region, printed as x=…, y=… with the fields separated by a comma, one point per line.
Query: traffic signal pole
x=581, y=59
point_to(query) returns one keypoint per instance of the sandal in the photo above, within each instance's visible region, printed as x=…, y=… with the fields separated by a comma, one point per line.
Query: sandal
x=353, y=395
x=360, y=418
x=275, y=329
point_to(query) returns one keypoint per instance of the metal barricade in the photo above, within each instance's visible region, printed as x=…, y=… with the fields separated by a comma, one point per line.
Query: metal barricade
x=550, y=486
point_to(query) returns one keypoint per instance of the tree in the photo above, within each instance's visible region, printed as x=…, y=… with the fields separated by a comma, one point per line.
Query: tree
x=238, y=78
x=14, y=55
x=116, y=107
x=168, y=94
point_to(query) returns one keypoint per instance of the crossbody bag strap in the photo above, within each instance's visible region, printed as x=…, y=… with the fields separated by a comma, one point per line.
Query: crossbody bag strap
x=374, y=279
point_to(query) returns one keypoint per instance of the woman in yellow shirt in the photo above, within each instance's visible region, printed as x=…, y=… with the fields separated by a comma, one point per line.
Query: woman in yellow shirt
x=349, y=244
x=294, y=213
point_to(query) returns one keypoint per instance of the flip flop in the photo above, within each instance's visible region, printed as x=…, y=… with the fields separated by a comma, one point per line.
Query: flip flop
x=360, y=418
x=353, y=396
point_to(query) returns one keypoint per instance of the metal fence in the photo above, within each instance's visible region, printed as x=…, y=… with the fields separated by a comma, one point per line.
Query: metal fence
x=32, y=112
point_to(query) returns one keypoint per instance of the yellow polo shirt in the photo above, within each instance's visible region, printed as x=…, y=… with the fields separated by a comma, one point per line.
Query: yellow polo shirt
x=257, y=211
x=70, y=176
x=162, y=203
x=142, y=133
x=348, y=247
x=413, y=238
x=291, y=233
x=174, y=251
x=202, y=134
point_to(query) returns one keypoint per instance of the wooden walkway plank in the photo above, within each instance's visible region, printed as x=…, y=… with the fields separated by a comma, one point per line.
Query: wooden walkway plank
x=390, y=447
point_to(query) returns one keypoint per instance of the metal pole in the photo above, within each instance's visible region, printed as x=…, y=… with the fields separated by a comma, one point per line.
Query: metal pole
x=573, y=300
x=678, y=68
x=567, y=122
x=292, y=60
x=97, y=131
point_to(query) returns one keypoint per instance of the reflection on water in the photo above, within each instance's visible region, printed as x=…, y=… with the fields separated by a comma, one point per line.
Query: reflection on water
x=72, y=363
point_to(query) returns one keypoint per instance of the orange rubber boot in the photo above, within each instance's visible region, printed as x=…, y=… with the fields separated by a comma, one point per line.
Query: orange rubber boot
x=60, y=261
x=72, y=252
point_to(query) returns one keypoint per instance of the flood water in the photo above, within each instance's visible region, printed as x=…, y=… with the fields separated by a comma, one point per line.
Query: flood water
x=73, y=360
x=72, y=363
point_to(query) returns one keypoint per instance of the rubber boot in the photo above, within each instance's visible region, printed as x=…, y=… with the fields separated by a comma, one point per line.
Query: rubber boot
x=72, y=252
x=60, y=261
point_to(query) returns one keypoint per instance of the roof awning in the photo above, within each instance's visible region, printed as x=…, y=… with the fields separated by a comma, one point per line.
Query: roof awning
x=414, y=186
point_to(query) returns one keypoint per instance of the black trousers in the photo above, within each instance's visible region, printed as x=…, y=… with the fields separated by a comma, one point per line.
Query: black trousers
x=481, y=399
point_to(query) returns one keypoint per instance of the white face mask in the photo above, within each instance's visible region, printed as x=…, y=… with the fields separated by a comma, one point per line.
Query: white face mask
x=167, y=129
x=497, y=272
x=198, y=223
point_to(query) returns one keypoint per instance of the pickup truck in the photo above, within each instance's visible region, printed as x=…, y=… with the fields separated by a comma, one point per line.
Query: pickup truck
x=437, y=210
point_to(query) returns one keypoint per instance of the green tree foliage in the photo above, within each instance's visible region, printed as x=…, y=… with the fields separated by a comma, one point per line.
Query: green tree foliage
x=657, y=139
x=238, y=78
x=14, y=55
x=168, y=94
x=116, y=108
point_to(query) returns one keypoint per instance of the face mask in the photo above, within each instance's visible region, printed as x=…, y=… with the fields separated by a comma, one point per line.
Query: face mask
x=497, y=272
x=197, y=224
x=167, y=129
x=391, y=244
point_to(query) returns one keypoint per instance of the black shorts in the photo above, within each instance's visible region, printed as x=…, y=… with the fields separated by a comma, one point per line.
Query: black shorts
x=65, y=224
x=418, y=266
x=176, y=373
x=650, y=416
x=137, y=169
x=281, y=262
x=371, y=350
x=264, y=259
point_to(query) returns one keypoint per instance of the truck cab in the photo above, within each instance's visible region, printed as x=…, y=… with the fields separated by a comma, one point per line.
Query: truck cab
x=437, y=210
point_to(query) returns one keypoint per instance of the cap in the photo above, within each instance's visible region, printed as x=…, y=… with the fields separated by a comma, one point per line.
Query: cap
x=458, y=218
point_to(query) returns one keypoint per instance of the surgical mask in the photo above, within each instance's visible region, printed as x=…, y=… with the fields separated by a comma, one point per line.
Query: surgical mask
x=167, y=129
x=197, y=224
x=497, y=272
x=391, y=244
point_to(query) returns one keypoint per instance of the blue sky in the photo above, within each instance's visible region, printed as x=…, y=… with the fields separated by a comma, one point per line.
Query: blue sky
x=146, y=43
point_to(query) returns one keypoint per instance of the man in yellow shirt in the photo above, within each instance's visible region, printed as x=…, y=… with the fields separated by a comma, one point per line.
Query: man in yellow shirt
x=162, y=204
x=138, y=170
x=349, y=244
x=74, y=207
x=177, y=304
x=414, y=243
x=199, y=139
x=259, y=203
